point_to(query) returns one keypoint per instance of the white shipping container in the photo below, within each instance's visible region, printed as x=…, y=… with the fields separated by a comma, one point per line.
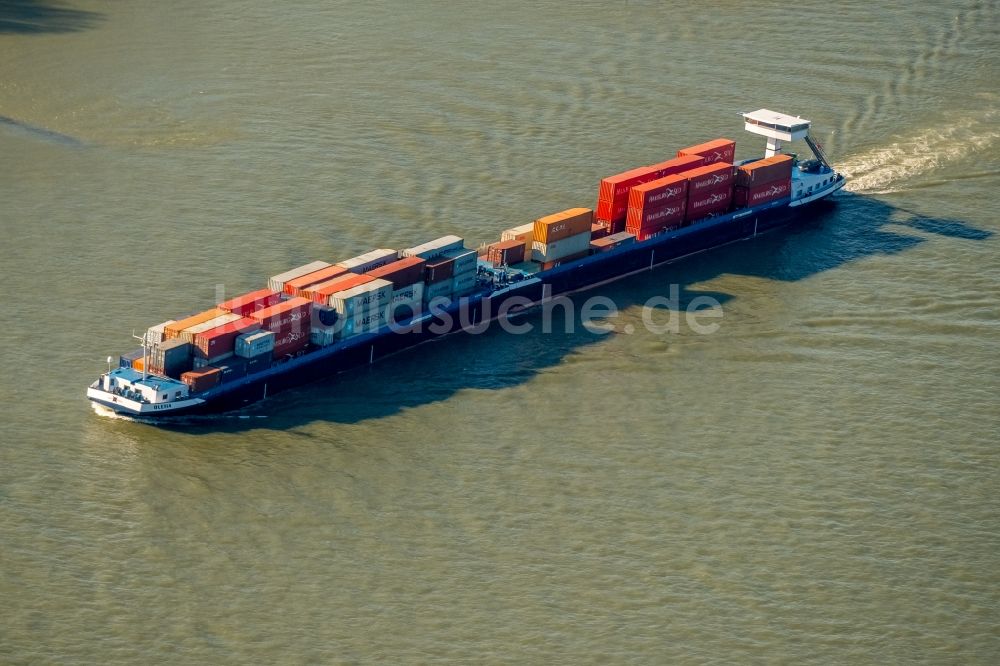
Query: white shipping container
x=188, y=334
x=522, y=232
x=364, y=297
x=369, y=260
x=464, y=260
x=155, y=334
x=409, y=295
x=277, y=282
x=560, y=248
x=251, y=345
x=365, y=322
x=324, y=336
x=433, y=248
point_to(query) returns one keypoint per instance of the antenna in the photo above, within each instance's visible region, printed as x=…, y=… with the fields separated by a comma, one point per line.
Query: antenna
x=145, y=349
x=109, y=364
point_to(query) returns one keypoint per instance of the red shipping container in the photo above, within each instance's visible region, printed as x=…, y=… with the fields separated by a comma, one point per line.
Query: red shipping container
x=613, y=210
x=658, y=192
x=438, y=270
x=295, y=312
x=247, y=303
x=220, y=340
x=201, y=380
x=641, y=218
x=719, y=150
x=289, y=340
x=320, y=293
x=709, y=178
x=402, y=273
x=744, y=197
x=300, y=285
x=506, y=252
x=767, y=170
x=654, y=231
x=598, y=231
x=614, y=227
x=707, y=203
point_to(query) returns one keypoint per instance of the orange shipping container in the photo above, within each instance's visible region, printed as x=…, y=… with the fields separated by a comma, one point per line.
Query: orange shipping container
x=173, y=330
x=299, y=286
x=719, y=150
x=659, y=192
x=320, y=292
x=562, y=225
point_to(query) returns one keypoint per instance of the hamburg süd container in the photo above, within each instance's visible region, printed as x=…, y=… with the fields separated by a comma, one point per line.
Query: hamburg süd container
x=369, y=260
x=433, y=248
x=174, y=329
x=365, y=297
x=614, y=190
x=222, y=339
x=564, y=224
x=710, y=177
x=201, y=380
x=277, y=282
x=709, y=203
x=564, y=247
x=438, y=269
x=300, y=285
x=401, y=273
x=320, y=293
x=244, y=304
x=744, y=197
x=717, y=150
x=295, y=313
x=659, y=192
x=767, y=170
x=249, y=345
x=642, y=218
x=290, y=341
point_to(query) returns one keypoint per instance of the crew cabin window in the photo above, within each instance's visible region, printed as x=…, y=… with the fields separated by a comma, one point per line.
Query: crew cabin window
x=165, y=396
x=177, y=396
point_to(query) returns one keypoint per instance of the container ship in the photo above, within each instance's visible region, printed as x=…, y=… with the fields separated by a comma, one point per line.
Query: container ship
x=325, y=317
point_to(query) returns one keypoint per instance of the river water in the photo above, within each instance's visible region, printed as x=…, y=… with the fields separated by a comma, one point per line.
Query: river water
x=815, y=482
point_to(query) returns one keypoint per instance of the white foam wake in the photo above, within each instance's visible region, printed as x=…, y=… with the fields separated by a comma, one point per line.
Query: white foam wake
x=890, y=168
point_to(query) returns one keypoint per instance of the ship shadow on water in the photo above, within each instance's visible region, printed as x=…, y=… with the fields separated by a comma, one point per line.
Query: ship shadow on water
x=832, y=236
x=38, y=17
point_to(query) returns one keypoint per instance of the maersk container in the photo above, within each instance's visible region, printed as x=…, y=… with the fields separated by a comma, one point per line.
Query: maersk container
x=277, y=282
x=659, y=192
x=752, y=196
x=563, y=225
x=401, y=273
x=439, y=269
x=767, y=170
x=465, y=260
x=369, y=260
x=364, y=322
x=463, y=284
x=301, y=286
x=411, y=294
x=254, y=344
x=718, y=150
x=174, y=329
x=188, y=334
x=244, y=304
x=709, y=177
x=641, y=218
x=364, y=297
x=433, y=248
x=157, y=334
x=437, y=290
x=293, y=313
x=548, y=252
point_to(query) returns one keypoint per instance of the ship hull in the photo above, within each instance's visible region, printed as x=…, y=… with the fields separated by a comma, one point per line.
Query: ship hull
x=579, y=275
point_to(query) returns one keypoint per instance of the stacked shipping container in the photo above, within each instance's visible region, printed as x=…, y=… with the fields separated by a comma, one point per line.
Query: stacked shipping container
x=762, y=181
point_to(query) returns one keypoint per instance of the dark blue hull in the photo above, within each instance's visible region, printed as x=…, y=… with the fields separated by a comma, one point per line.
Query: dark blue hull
x=581, y=274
